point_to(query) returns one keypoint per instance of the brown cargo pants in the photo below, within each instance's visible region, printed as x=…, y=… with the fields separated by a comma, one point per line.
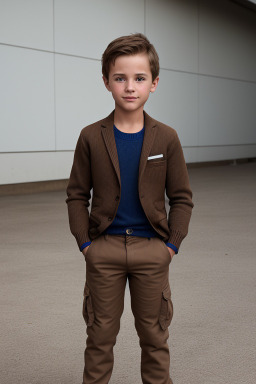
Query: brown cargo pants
x=110, y=261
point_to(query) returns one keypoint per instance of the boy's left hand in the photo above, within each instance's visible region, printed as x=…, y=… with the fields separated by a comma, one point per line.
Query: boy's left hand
x=171, y=251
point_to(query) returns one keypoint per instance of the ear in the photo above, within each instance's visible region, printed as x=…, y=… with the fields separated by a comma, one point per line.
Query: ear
x=106, y=83
x=154, y=84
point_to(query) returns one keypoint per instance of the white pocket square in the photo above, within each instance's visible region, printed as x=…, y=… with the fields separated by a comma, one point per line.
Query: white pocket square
x=155, y=157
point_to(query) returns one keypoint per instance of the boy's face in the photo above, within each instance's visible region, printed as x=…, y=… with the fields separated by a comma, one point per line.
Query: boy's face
x=130, y=82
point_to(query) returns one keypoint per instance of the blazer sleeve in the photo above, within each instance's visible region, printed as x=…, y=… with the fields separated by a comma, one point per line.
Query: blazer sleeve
x=78, y=192
x=178, y=192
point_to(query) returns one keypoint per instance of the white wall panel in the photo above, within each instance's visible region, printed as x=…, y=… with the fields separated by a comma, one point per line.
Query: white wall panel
x=213, y=111
x=81, y=98
x=175, y=103
x=172, y=26
x=217, y=153
x=26, y=100
x=85, y=27
x=41, y=166
x=34, y=166
x=227, y=38
x=27, y=23
x=227, y=112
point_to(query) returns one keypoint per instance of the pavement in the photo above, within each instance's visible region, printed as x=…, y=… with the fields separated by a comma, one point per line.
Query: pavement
x=213, y=281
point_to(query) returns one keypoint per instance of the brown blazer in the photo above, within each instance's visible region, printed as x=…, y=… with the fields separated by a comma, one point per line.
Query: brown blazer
x=96, y=167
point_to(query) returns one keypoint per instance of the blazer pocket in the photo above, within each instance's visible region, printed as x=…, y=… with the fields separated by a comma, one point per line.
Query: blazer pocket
x=151, y=163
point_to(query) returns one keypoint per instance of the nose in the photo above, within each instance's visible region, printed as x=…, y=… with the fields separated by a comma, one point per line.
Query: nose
x=129, y=86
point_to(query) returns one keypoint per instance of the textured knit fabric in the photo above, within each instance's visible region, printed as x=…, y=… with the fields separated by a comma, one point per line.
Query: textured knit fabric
x=172, y=246
x=130, y=215
x=96, y=166
x=83, y=246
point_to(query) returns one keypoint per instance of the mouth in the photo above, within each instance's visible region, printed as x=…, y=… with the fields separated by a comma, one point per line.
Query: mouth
x=130, y=98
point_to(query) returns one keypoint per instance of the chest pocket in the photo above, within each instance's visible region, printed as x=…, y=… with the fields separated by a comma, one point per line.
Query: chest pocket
x=155, y=163
x=155, y=176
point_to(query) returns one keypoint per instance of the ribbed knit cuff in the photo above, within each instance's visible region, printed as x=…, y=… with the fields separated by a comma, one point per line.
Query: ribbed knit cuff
x=85, y=245
x=81, y=238
x=176, y=238
x=172, y=246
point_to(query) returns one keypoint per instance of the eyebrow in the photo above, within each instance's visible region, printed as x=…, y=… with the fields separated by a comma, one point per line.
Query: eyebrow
x=136, y=74
x=118, y=74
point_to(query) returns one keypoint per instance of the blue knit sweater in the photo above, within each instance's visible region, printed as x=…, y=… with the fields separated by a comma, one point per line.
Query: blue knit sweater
x=130, y=217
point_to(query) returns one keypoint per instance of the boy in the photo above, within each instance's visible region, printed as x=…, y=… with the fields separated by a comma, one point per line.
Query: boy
x=129, y=160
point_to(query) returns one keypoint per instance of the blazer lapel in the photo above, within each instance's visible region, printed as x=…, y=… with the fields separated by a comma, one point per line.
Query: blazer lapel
x=149, y=137
x=109, y=138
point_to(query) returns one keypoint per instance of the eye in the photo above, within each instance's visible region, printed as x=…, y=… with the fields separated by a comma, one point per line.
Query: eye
x=119, y=79
x=140, y=78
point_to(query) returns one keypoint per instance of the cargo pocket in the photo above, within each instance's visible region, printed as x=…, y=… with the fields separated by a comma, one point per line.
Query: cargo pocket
x=88, y=313
x=166, y=312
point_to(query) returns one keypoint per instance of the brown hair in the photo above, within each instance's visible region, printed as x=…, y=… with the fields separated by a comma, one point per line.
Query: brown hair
x=130, y=45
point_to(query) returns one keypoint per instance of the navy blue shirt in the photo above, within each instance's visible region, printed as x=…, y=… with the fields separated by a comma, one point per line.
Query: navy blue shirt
x=130, y=217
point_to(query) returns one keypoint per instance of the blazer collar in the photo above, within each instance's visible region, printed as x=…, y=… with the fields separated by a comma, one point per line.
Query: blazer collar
x=149, y=136
x=107, y=129
x=107, y=125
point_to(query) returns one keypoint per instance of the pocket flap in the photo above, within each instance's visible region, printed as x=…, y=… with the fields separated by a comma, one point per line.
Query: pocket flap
x=86, y=291
x=166, y=311
x=88, y=312
x=167, y=293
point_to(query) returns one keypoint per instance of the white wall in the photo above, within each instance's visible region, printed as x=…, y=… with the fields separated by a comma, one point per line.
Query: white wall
x=51, y=85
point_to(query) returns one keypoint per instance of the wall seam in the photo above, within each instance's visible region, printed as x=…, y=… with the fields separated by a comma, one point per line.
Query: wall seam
x=162, y=68
x=183, y=146
x=209, y=75
x=145, y=19
x=54, y=78
x=198, y=77
x=49, y=51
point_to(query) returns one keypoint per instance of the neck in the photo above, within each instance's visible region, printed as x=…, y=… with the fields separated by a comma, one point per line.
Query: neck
x=129, y=121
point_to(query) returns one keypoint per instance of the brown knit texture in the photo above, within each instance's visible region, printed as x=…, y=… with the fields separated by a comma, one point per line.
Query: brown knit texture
x=96, y=171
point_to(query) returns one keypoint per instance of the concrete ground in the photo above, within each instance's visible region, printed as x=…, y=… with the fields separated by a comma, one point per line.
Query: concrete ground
x=213, y=281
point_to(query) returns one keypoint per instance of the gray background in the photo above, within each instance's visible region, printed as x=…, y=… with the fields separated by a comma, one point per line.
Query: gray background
x=51, y=84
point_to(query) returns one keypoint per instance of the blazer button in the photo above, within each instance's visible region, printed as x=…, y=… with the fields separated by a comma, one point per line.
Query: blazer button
x=110, y=219
x=129, y=231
